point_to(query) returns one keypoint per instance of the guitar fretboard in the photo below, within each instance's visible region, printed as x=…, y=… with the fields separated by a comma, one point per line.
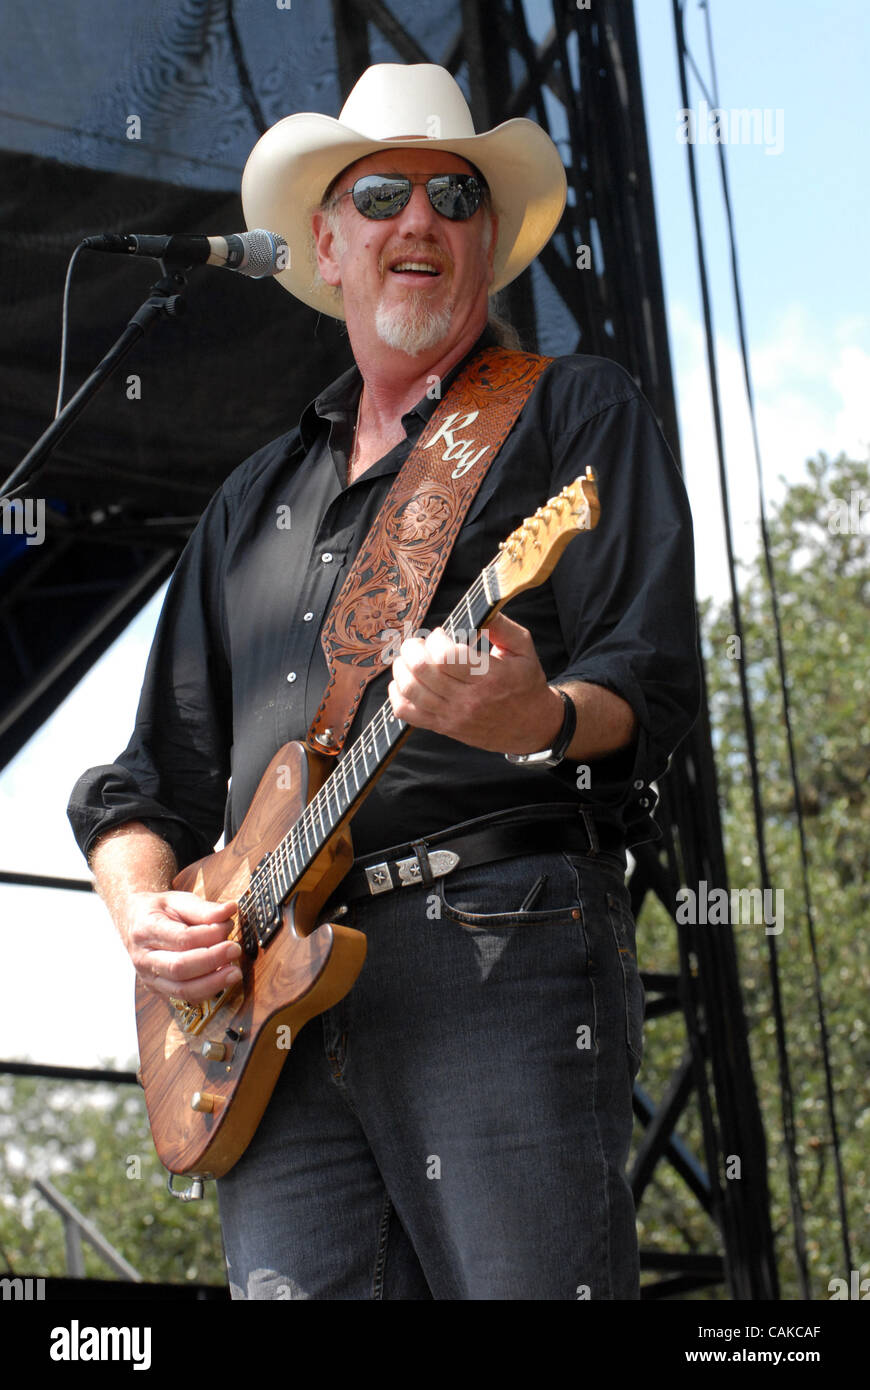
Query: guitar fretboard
x=353, y=777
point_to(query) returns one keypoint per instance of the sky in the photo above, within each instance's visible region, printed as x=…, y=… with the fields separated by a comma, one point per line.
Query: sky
x=801, y=219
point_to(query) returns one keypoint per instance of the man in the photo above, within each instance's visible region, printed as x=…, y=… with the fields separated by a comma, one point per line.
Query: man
x=458, y=1126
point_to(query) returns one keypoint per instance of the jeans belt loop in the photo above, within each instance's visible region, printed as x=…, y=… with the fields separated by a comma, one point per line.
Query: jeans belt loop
x=421, y=850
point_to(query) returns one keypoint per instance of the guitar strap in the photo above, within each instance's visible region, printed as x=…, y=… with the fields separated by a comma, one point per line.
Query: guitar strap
x=391, y=583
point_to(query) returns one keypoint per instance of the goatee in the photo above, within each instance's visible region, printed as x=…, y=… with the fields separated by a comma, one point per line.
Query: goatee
x=412, y=326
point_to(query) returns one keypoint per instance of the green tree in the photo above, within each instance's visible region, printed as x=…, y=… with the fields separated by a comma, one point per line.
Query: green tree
x=821, y=561
x=819, y=544
x=93, y=1143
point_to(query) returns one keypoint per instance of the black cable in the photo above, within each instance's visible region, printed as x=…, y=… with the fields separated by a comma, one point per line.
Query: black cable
x=783, y=677
x=64, y=327
x=779, y=1019
x=64, y=322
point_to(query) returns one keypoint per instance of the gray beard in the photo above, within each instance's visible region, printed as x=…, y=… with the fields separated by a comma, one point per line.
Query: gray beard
x=412, y=327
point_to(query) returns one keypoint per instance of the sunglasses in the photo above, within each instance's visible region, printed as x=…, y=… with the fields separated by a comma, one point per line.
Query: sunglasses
x=379, y=196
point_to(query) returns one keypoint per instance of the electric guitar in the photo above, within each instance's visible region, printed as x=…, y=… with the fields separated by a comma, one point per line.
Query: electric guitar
x=209, y=1068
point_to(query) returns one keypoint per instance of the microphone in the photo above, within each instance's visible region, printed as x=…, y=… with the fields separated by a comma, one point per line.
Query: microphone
x=258, y=253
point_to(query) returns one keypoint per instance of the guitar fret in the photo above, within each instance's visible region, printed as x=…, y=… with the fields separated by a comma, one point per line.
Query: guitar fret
x=311, y=815
x=322, y=800
x=333, y=818
x=485, y=577
x=336, y=798
x=353, y=768
x=280, y=885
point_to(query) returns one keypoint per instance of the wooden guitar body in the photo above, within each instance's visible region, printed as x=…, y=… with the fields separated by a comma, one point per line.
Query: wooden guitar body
x=304, y=969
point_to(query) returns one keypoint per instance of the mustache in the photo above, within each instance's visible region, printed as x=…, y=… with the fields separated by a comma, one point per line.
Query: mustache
x=433, y=255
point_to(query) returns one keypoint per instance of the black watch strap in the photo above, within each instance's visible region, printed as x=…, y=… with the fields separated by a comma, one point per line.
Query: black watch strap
x=551, y=757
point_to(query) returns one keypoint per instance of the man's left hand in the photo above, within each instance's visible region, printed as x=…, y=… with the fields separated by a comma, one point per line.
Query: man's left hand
x=496, y=699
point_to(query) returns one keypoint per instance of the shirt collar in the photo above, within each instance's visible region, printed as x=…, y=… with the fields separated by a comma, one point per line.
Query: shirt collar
x=338, y=402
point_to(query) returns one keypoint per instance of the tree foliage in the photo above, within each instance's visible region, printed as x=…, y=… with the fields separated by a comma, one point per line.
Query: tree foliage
x=93, y=1144
x=819, y=545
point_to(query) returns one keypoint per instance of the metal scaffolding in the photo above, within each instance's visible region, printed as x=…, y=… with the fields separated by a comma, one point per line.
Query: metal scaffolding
x=580, y=79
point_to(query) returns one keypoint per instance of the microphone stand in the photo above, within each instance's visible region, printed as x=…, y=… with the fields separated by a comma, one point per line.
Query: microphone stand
x=164, y=301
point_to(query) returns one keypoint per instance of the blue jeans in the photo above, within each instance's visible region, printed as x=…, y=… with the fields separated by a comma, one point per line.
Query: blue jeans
x=458, y=1126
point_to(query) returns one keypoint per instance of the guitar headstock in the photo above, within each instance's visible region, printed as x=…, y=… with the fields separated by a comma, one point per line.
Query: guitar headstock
x=530, y=553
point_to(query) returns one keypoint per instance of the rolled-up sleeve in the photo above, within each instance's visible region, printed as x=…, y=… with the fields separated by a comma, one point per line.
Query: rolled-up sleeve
x=173, y=774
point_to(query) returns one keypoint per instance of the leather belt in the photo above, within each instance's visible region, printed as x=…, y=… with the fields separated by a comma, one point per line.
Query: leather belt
x=485, y=840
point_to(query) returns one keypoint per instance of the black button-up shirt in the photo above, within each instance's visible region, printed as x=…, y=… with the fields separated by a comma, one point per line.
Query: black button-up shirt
x=237, y=668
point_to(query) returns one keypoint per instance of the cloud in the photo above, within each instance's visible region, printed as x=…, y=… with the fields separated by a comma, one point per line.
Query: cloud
x=810, y=390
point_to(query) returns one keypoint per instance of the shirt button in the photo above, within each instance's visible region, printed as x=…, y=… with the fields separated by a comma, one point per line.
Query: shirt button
x=638, y=786
x=644, y=801
x=291, y=677
x=326, y=557
x=307, y=617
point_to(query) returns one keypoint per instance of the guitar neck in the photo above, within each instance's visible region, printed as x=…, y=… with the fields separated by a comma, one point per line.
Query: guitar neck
x=355, y=775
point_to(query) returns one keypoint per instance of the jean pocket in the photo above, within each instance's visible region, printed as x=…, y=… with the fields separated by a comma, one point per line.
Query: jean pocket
x=622, y=926
x=529, y=890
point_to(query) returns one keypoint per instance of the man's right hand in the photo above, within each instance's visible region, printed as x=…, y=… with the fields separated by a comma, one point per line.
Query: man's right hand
x=177, y=943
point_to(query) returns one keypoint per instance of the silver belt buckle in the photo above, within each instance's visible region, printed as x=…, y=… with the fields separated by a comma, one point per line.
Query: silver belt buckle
x=380, y=879
x=441, y=862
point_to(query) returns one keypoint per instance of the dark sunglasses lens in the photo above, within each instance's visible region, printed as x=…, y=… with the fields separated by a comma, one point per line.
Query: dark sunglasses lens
x=457, y=196
x=377, y=197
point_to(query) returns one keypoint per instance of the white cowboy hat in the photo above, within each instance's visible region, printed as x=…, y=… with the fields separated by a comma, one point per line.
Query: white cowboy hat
x=417, y=106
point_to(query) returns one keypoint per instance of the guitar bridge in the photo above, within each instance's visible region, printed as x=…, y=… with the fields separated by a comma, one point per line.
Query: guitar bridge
x=191, y=1018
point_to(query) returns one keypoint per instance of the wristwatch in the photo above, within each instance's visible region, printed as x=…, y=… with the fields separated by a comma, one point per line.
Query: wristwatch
x=551, y=757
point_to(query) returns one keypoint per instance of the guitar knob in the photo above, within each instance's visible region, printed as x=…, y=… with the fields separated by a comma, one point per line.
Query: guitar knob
x=204, y=1101
x=214, y=1051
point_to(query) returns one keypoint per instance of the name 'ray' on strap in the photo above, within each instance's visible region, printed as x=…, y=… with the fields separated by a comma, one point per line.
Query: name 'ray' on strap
x=391, y=583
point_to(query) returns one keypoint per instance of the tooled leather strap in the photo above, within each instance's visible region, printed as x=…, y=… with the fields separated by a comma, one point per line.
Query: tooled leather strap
x=399, y=565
